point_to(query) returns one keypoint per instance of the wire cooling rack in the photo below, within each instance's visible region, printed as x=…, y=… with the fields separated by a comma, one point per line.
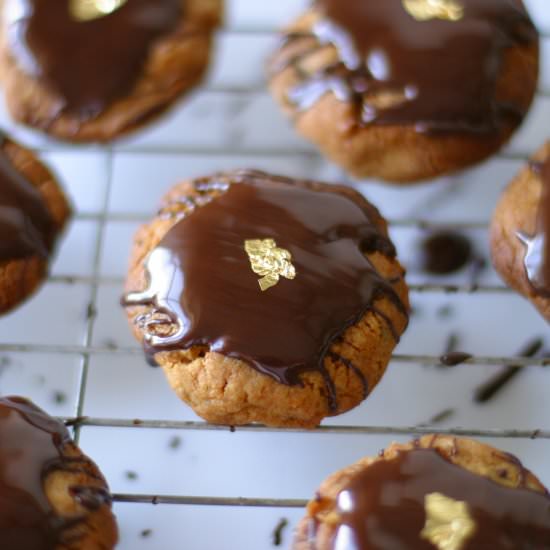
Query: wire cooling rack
x=70, y=350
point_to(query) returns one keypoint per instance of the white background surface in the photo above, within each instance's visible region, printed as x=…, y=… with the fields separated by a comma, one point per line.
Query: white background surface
x=232, y=122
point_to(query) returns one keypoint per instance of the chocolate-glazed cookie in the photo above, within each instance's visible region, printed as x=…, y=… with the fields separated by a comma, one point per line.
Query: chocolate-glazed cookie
x=33, y=213
x=405, y=90
x=520, y=242
x=248, y=285
x=52, y=497
x=87, y=70
x=439, y=492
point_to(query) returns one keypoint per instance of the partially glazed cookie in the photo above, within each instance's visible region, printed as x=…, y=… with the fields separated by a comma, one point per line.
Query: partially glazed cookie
x=90, y=70
x=520, y=242
x=52, y=497
x=266, y=299
x=405, y=90
x=33, y=212
x=437, y=493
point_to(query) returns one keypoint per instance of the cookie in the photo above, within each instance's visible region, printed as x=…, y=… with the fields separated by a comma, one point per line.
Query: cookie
x=407, y=90
x=437, y=493
x=34, y=211
x=52, y=496
x=520, y=225
x=89, y=70
x=266, y=299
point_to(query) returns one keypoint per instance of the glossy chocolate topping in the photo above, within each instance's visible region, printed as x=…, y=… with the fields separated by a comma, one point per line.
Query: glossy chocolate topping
x=88, y=63
x=26, y=226
x=31, y=445
x=537, y=257
x=436, y=70
x=200, y=278
x=383, y=507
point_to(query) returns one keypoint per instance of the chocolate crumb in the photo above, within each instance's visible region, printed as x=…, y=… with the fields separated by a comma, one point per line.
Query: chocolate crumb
x=175, y=443
x=146, y=533
x=445, y=252
x=445, y=312
x=137, y=422
x=131, y=475
x=91, y=311
x=232, y=429
x=59, y=397
x=455, y=358
x=155, y=501
x=111, y=344
x=440, y=417
x=503, y=474
x=278, y=532
x=535, y=434
x=494, y=385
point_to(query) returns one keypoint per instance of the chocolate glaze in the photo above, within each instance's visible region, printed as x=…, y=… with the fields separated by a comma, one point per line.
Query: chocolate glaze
x=26, y=226
x=31, y=447
x=200, y=280
x=537, y=256
x=436, y=75
x=445, y=252
x=89, y=64
x=383, y=507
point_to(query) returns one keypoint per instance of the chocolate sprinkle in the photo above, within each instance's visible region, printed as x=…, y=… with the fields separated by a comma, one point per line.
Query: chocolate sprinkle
x=494, y=385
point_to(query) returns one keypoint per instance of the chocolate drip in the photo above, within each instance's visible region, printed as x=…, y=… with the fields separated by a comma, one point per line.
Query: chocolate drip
x=537, y=256
x=89, y=64
x=31, y=447
x=384, y=506
x=437, y=75
x=204, y=293
x=26, y=226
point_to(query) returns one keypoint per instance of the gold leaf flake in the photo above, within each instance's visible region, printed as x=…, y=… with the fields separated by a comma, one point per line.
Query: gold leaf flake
x=449, y=524
x=270, y=262
x=425, y=10
x=88, y=10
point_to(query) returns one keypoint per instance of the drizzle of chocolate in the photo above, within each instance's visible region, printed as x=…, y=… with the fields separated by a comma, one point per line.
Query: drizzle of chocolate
x=383, y=506
x=537, y=256
x=445, y=252
x=201, y=284
x=436, y=75
x=89, y=64
x=31, y=447
x=26, y=225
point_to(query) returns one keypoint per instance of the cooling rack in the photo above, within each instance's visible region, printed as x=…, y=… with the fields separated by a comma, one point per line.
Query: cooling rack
x=181, y=483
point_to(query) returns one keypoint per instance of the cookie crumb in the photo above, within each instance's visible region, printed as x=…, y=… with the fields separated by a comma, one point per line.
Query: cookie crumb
x=146, y=533
x=279, y=531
